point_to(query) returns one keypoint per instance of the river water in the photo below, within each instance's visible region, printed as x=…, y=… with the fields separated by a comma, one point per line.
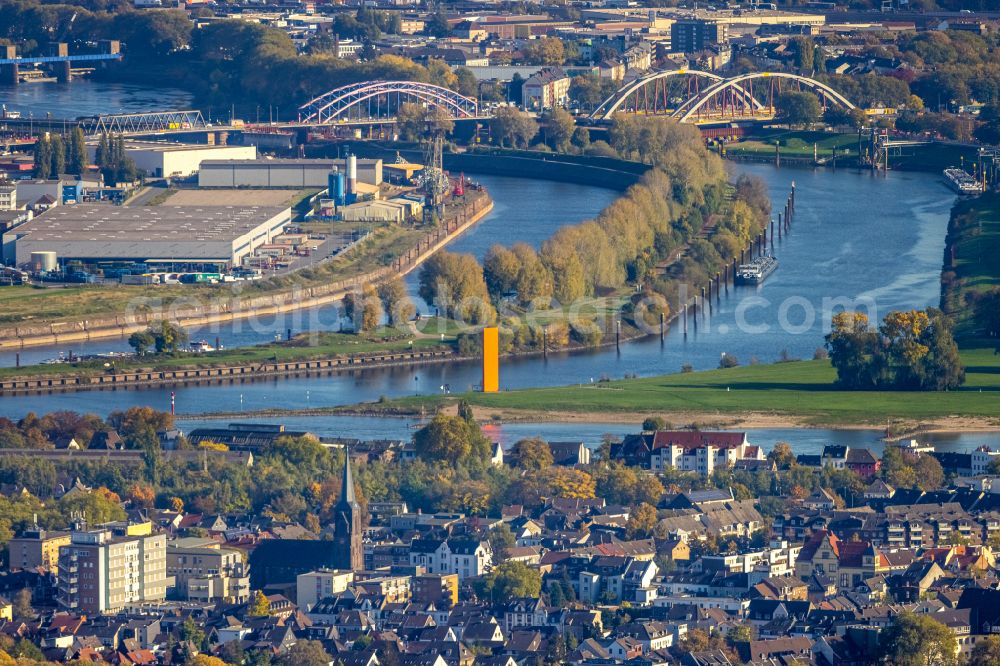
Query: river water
x=857, y=240
x=84, y=97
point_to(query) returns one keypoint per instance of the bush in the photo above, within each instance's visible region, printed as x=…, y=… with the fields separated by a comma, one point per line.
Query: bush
x=728, y=361
x=587, y=333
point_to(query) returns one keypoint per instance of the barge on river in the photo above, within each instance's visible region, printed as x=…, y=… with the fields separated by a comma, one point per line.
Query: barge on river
x=756, y=271
x=962, y=182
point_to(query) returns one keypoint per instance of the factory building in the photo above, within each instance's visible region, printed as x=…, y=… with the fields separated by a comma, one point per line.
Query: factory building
x=163, y=160
x=205, y=235
x=283, y=173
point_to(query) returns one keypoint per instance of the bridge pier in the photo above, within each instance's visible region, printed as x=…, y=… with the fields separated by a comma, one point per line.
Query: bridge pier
x=8, y=73
x=63, y=70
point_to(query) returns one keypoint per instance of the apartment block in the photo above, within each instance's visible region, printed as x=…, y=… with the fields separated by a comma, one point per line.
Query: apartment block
x=208, y=573
x=101, y=572
x=36, y=549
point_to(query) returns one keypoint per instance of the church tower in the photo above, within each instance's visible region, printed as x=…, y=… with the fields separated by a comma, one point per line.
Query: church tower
x=347, y=552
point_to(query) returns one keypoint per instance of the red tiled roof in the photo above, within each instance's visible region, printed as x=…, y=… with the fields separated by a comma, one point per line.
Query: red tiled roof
x=695, y=440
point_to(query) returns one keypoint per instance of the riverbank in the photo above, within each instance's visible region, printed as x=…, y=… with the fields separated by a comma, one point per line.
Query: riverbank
x=231, y=304
x=791, y=394
x=837, y=149
x=971, y=267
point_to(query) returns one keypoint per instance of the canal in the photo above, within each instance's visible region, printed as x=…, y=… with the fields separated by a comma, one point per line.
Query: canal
x=857, y=238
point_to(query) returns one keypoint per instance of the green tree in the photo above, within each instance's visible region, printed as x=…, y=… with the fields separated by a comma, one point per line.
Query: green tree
x=918, y=640
x=452, y=440
x=508, y=581
x=501, y=538
x=43, y=157
x=798, y=108
x=76, y=159
x=411, y=121
x=142, y=342
x=57, y=156
x=532, y=453
x=437, y=25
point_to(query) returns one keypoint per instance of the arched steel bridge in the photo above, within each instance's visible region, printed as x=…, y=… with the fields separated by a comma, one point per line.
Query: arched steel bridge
x=376, y=99
x=722, y=99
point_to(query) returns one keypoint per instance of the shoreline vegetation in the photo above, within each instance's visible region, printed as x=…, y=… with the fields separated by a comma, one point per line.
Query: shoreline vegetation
x=799, y=393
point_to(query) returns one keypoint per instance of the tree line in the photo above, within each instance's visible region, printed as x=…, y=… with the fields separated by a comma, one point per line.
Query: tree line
x=913, y=350
x=56, y=155
x=625, y=244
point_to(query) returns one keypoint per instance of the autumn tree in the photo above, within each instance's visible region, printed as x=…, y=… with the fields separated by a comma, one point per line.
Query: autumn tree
x=512, y=127
x=782, y=455
x=534, y=282
x=259, y=605
x=532, y=453
x=305, y=653
x=641, y=521
x=544, y=51
x=559, y=129
x=23, y=609
x=653, y=423
x=986, y=652
x=911, y=350
x=916, y=639
x=500, y=271
x=396, y=301
x=454, y=283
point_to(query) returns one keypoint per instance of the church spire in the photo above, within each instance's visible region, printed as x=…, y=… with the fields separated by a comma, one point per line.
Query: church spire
x=347, y=485
x=347, y=551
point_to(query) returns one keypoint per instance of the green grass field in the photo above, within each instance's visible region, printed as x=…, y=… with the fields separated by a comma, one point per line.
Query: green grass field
x=801, y=389
x=797, y=143
x=977, y=256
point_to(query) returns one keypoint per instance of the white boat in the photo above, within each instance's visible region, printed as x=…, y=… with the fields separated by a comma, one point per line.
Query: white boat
x=962, y=182
x=201, y=346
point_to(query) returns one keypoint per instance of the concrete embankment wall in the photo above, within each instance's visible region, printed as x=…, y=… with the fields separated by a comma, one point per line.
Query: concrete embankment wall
x=225, y=310
x=592, y=170
x=241, y=373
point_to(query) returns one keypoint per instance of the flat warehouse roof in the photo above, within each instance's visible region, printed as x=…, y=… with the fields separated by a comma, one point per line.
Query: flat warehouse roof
x=88, y=230
x=95, y=222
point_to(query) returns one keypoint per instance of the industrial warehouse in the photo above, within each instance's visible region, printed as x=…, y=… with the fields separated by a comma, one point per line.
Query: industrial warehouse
x=286, y=172
x=216, y=236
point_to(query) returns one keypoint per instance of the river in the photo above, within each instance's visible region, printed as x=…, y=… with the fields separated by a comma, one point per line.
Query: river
x=84, y=97
x=858, y=238
x=855, y=236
